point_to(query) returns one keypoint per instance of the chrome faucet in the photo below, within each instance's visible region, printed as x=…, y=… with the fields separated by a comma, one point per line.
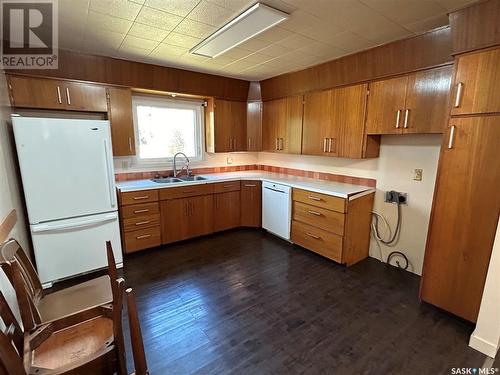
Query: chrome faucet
x=188, y=172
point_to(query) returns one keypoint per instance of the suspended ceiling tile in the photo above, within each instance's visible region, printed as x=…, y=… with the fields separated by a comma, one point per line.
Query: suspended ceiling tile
x=275, y=50
x=295, y=41
x=103, y=22
x=349, y=41
x=157, y=18
x=148, y=32
x=117, y=8
x=168, y=50
x=194, y=28
x=135, y=42
x=428, y=24
x=181, y=40
x=177, y=7
x=452, y=5
x=407, y=11
x=210, y=14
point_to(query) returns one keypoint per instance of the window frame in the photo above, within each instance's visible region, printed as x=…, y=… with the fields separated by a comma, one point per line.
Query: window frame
x=165, y=102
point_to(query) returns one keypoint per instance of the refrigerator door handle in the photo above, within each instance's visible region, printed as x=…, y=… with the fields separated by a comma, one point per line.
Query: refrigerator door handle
x=112, y=195
x=81, y=224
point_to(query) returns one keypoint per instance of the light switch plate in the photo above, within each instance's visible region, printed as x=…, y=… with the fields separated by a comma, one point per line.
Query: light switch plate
x=418, y=174
x=229, y=160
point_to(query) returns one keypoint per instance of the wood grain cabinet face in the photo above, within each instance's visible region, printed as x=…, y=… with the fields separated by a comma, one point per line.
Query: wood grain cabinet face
x=121, y=121
x=464, y=216
x=230, y=121
x=318, y=124
x=254, y=126
x=251, y=203
x=26, y=92
x=476, y=86
x=226, y=210
x=85, y=97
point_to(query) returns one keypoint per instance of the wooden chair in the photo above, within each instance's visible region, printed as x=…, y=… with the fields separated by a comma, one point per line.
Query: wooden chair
x=91, y=346
x=45, y=308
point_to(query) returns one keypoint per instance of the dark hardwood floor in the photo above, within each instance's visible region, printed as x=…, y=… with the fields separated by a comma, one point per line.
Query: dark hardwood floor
x=246, y=302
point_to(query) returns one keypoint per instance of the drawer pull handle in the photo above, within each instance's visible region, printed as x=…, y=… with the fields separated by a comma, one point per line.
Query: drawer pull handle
x=141, y=211
x=143, y=236
x=314, y=213
x=250, y=185
x=313, y=236
x=314, y=198
x=143, y=222
x=141, y=197
x=188, y=191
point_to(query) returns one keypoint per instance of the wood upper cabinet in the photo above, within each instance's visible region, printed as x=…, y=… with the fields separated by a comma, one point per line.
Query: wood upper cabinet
x=386, y=104
x=226, y=122
x=464, y=216
x=334, y=122
x=254, y=126
x=251, y=203
x=185, y=218
x=45, y=93
x=121, y=120
x=415, y=103
x=282, y=125
x=226, y=210
x=477, y=83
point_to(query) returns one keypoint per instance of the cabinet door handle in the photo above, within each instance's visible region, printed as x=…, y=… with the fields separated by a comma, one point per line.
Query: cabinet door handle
x=407, y=114
x=141, y=197
x=250, y=185
x=59, y=99
x=330, y=141
x=313, y=236
x=249, y=143
x=143, y=236
x=451, y=140
x=130, y=144
x=276, y=147
x=314, y=213
x=398, y=115
x=143, y=222
x=141, y=211
x=281, y=143
x=325, y=141
x=458, y=97
x=314, y=198
x=68, y=96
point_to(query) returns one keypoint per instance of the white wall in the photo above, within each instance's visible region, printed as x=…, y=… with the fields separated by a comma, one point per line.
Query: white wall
x=393, y=170
x=10, y=196
x=486, y=336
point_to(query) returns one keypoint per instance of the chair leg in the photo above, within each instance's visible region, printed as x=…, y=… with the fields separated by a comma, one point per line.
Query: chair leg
x=117, y=326
x=141, y=367
x=113, y=273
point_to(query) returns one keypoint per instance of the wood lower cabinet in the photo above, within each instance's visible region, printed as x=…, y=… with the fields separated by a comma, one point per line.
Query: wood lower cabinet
x=226, y=210
x=464, y=216
x=333, y=227
x=476, y=86
x=251, y=203
x=121, y=120
x=185, y=218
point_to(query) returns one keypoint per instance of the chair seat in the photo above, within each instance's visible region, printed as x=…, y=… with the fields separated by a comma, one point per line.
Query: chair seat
x=75, y=299
x=74, y=343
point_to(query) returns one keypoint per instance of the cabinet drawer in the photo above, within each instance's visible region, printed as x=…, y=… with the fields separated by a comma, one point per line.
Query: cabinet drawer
x=186, y=191
x=324, y=243
x=319, y=200
x=140, y=209
x=141, y=196
x=139, y=222
x=223, y=187
x=330, y=221
x=142, y=239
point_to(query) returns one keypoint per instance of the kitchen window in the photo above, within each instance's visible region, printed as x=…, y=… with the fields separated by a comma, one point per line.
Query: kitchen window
x=164, y=127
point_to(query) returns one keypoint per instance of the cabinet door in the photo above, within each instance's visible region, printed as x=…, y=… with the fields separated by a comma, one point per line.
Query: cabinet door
x=254, y=126
x=290, y=132
x=386, y=104
x=427, y=101
x=27, y=92
x=273, y=117
x=317, y=119
x=347, y=129
x=226, y=210
x=120, y=118
x=464, y=216
x=477, y=83
x=239, y=125
x=222, y=124
x=85, y=97
x=201, y=212
x=251, y=203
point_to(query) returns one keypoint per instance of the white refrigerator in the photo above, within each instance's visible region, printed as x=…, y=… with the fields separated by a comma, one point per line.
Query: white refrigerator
x=69, y=187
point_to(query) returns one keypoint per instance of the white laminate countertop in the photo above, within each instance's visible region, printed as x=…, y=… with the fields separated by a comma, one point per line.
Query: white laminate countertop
x=319, y=186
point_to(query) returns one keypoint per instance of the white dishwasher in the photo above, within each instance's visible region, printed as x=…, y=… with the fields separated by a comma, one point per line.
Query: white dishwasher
x=276, y=209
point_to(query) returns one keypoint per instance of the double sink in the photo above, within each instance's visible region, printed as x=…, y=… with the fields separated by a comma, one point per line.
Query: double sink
x=173, y=180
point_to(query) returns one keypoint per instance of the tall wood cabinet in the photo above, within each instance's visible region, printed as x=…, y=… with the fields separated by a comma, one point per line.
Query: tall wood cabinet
x=225, y=125
x=282, y=125
x=121, y=120
x=466, y=204
x=414, y=103
x=254, y=126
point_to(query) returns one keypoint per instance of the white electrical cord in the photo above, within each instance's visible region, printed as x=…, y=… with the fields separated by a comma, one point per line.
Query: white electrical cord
x=387, y=227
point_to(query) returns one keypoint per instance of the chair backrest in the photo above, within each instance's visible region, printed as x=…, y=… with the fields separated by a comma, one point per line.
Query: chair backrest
x=140, y=364
x=7, y=225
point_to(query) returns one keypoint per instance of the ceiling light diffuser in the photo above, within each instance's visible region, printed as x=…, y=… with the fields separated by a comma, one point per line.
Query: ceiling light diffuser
x=248, y=24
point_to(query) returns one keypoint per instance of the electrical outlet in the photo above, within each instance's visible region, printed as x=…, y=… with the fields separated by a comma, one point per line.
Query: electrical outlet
x=229, y=160
x=418, y=174
x=396, y=197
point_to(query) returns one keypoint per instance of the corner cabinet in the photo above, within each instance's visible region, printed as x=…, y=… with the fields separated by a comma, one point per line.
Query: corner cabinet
x=121, y=120
x=225, y=125
x=251, y=203
x=415, y=103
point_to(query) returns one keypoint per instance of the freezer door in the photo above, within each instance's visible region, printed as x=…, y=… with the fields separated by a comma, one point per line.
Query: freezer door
x=70, y=247
x=66, y=167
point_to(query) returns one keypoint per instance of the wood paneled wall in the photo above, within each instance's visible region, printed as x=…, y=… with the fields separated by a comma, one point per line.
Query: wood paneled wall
x=476, y=27
x=420, y=52
x=101, y=69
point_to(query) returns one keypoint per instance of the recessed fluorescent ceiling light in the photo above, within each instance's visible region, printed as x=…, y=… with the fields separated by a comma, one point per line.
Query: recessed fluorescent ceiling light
x=248, y=24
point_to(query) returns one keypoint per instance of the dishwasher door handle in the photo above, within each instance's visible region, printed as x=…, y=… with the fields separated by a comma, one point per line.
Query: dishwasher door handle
x=278, y=191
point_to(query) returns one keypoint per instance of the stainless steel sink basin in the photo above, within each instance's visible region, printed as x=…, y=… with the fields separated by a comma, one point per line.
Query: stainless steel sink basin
x=192, y=178
x=166, y=180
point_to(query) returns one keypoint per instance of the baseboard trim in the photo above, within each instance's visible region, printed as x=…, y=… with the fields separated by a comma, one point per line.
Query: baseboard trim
x=483, y=346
